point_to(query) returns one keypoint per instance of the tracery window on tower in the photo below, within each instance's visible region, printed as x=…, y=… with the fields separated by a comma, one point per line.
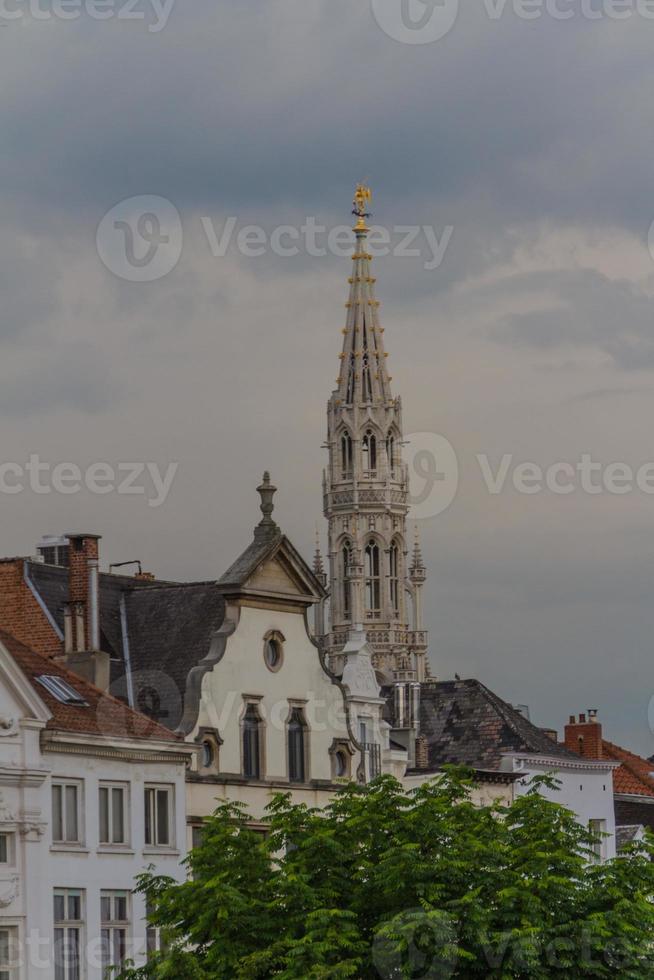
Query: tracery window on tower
x=369, y=452
x=346, y=456
x=390, y=453
x=366, y=385
x=372, y=581
x=394, y=577
x=346, y=564
x=351, y=375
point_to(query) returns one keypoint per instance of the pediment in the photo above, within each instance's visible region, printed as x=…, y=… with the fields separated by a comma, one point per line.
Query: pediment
x=272, y=576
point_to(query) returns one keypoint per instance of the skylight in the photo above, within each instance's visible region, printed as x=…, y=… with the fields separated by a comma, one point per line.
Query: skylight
x=61, y=690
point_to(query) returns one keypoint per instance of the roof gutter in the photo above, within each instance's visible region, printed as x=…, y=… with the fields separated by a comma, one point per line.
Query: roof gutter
x=37, y=595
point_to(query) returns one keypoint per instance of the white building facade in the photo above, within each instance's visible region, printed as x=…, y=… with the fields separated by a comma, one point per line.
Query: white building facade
x=91, y=794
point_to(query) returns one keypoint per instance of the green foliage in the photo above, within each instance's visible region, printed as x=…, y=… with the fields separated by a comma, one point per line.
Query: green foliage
x=384, y=883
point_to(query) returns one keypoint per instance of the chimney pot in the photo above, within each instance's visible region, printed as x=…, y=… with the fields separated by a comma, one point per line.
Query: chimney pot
x=582, y=719
x=573, y=719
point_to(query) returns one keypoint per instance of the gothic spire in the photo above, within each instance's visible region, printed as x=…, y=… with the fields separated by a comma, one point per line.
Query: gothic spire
x=363, y=377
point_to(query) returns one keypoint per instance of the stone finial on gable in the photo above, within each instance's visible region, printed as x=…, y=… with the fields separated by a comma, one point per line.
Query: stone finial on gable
x=267, y=491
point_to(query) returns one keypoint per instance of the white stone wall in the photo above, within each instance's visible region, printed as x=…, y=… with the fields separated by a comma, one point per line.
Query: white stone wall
x=242, y=673
x=38, y=866
x=586, y=789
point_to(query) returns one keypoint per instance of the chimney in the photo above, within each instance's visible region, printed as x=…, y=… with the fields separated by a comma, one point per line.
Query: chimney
x=422, y=752
x=82, y=612
x=584, y=736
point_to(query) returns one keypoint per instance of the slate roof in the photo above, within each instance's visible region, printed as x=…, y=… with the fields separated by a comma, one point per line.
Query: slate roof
x=102, y=715
x=633, y=775
x=266, y=539
x=465, y=723
x=626, y=833
x=169, y=630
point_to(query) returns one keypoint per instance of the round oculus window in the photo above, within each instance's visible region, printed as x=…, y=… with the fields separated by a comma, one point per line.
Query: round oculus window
x=273, y=654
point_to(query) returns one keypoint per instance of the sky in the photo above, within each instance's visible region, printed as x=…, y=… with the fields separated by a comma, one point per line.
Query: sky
x=136, y=328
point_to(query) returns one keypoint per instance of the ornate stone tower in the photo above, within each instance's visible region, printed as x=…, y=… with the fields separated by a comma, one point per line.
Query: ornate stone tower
x=365, y=487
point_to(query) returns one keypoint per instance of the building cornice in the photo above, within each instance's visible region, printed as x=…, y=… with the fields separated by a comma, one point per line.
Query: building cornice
x=22, y=777
x=560, y=762
x=117, y=748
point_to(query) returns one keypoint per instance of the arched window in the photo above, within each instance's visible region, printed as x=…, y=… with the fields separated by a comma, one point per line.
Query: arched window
x=296, y=733
x=366, y=384
x=369, y=448
x=394, y=578
x=346, y=557
x=373, y=580
x=346, y=455
x=252, y=736
x=390, y=453
x=349, y=393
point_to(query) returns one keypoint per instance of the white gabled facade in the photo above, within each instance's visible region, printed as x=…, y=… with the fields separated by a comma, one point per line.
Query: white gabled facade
x=268, y=714
x=54, y=892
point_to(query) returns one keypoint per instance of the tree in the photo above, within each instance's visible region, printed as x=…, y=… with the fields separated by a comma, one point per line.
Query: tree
x=385, y=883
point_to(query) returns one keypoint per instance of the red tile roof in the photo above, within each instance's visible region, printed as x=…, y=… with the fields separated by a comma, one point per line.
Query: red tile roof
x=103, y=714
x=633, y=775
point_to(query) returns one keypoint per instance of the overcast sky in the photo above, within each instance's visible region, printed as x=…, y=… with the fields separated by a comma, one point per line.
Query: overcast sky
x=532, y=339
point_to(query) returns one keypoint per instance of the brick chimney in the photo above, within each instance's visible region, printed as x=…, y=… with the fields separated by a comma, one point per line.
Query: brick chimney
x=422, y=752
x=584, y=735
x=82, y=612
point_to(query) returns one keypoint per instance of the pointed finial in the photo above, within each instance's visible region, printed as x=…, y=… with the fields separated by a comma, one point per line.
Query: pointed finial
x=318, y=567
x=317, y=558
x=362, y=198
x=267, y=491
x=417, y=553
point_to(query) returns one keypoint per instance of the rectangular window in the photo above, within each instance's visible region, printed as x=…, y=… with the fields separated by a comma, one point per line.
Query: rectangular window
x=296, y=746
x=114, y=916
x=113, y=813
x=158, y=816
x=6, y=849
x=66, y=813
x=8, y=954
x=599, y=847
x=68, y=926
x=153, y=938
x=251, y=733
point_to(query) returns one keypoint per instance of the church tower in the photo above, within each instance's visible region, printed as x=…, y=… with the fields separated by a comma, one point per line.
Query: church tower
x=375, y=583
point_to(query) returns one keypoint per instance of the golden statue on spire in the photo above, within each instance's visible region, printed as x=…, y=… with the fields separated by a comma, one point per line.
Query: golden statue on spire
x=362, y=199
